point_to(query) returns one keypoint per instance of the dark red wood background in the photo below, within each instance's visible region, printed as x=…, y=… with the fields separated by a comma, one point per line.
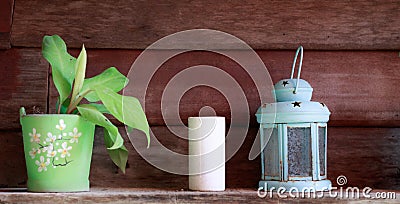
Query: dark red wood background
x=351, y=59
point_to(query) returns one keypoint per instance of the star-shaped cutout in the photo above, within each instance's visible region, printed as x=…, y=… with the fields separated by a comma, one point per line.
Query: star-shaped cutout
x=296, y=104
x=284, y=83
x=323, y=105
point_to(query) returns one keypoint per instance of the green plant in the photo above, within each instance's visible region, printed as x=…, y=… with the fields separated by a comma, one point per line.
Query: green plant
x=68, y=75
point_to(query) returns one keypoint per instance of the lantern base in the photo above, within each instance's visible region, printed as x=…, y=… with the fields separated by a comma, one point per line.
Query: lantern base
x=296, y=186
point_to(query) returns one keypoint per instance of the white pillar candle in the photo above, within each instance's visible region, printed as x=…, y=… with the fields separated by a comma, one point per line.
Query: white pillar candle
x=207, y=153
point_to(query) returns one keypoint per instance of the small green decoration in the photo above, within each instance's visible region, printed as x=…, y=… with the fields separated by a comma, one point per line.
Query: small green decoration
x=57, y=144
x=52, y=147
x=58, y=151
x=69, y=79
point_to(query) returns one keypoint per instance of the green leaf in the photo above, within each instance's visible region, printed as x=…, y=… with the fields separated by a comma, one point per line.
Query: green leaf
x=80, y=70
x=100, y=107
x=62, y=64
x=91, y=114
x=64, y=106
x=110, y=78
x=112, y=139
x=126, y=109
x=118, y=156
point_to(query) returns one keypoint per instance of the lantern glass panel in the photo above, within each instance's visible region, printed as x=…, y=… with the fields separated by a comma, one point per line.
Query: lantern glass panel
x=299, y=151
x=271, y=155
x=322, y=149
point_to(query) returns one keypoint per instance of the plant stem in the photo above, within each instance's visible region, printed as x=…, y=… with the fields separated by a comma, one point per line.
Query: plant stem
x=59, y=106
x=74, y=103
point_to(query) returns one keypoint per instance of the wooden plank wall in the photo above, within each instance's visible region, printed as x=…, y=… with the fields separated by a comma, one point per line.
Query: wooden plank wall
x=351, y=60
x=6, y=12
x=338, y=24
x=352, y=84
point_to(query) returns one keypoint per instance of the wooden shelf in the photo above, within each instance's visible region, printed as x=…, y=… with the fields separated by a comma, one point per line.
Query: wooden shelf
x=134, y=195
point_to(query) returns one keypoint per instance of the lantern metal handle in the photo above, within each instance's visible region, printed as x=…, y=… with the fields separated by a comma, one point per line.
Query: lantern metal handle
x=300, y=49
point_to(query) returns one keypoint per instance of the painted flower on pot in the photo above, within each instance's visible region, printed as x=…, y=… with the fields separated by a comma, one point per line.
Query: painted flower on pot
x=61, y=126
x=64, y=151
x=75, y=135
x=33, y=152
x=51, y=138
x=54, y=146
x=42, y=164
x=35, y=137
x=50, y=151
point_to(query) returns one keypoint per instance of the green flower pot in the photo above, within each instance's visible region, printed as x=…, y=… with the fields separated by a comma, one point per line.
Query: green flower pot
x=58, y=151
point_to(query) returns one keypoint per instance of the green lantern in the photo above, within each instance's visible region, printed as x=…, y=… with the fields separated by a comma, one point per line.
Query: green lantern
x=294, y=145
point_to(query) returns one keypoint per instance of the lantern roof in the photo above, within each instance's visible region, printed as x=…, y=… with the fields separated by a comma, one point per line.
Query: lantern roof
x=293, y=112
x=294, y=103
x=285, y=90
